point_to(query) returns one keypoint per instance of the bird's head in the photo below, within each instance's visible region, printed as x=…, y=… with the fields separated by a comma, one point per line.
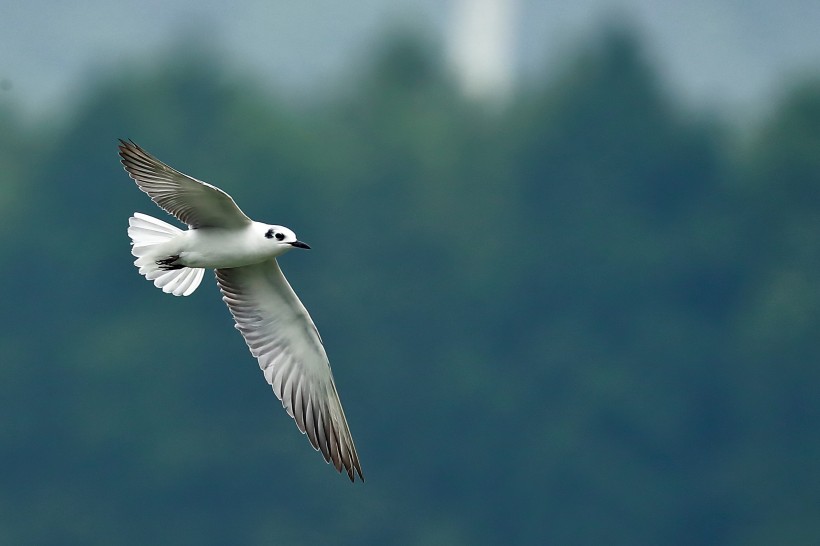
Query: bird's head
x=283, y=237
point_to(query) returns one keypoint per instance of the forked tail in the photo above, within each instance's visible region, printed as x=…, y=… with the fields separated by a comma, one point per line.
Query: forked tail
x=147, y=233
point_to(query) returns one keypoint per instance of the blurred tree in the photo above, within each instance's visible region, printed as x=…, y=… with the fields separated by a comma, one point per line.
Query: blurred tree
x=773, y=468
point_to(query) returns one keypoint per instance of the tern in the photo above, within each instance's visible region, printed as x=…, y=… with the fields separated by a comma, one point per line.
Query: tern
x=275, y=325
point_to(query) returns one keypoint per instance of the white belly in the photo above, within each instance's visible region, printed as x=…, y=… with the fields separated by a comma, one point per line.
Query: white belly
x=213, y=248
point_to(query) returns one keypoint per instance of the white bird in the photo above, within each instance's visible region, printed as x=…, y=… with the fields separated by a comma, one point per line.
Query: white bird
x=275, y=324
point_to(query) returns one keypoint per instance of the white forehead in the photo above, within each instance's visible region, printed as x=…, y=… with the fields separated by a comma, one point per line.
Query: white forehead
x=282, y=229
x=285, y=234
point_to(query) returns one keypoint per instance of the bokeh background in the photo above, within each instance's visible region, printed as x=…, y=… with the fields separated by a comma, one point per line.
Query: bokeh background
x=566, y=264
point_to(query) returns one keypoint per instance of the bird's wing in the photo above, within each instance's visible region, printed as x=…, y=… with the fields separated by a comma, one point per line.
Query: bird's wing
x=192, y=201
x=282, y=336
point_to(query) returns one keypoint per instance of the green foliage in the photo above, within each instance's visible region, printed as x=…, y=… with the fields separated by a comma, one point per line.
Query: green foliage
x=577, y=321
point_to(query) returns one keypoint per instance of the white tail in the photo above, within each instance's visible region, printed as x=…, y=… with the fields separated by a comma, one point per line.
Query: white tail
x=146, y=233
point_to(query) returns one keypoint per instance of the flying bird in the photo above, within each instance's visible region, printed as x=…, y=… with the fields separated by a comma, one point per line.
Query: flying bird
x=272, y=320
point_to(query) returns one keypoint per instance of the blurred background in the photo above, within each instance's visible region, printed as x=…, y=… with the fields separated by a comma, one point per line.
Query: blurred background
x=565, y=264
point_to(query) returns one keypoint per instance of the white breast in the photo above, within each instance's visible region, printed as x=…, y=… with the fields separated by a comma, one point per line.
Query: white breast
x=215, y=248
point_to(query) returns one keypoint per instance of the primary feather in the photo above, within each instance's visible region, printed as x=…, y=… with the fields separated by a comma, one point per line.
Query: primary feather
x=282, y=336
x=192, y=201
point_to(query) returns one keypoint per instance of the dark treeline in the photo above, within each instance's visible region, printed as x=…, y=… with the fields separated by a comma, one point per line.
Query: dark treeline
x=590, y=317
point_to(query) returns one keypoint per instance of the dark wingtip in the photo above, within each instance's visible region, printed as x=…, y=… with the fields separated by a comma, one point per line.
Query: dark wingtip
x=124, y=146
x=352, y=470
x=128, y=145
x=129, y=152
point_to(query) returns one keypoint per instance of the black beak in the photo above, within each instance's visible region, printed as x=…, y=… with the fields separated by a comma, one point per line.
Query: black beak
x=300, y=244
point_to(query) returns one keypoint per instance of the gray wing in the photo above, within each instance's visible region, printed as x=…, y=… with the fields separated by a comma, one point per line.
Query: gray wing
x=282, y=336
x=192, y=201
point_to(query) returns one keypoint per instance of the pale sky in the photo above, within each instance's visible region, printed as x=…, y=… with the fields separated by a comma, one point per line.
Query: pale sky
x=728, y=52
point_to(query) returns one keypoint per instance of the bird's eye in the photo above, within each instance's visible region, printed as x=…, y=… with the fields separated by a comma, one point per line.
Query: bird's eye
x=279, y=236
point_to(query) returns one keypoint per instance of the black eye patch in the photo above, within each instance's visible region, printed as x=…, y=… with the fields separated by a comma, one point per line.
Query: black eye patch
x=269, y=234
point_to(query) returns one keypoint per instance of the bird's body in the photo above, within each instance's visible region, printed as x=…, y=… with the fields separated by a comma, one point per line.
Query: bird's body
x=214, y=248
x=276, y=326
